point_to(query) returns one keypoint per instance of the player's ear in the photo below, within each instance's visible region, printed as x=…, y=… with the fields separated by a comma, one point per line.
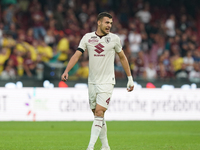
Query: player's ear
x=99, y=22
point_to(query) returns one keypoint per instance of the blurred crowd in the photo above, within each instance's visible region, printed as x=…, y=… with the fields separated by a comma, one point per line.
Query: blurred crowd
x=161, y=41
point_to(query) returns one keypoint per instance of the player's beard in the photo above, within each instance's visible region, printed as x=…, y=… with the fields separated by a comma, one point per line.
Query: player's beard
x=103, y=31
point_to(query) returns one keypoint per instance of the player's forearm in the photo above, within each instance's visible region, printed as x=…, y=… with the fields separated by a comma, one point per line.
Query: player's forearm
x=130, y=84
x=125, y=65
x=71, y=63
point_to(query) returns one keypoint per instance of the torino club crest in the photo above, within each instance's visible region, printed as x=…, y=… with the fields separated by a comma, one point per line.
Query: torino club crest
x=107, y=39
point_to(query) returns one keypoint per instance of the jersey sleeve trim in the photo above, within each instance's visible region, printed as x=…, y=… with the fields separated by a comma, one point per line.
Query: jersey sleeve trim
x=80, y=49
x=119, y=51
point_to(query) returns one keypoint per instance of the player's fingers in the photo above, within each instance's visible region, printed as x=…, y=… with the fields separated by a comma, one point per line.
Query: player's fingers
x=130, y=89
x=64, y=78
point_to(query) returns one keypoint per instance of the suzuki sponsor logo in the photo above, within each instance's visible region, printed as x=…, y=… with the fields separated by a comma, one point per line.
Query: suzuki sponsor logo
x=99, y=50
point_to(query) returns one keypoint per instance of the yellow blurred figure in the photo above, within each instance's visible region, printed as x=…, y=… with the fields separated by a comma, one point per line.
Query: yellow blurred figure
x=8, y=42
x=63, y=48
x=177, y=62
x=22, y=46
x=45, y=51
x=33, y=53
x=20, y=69
x=83, y=71
x=25, y=47
x=4, y=42
x=4, y=55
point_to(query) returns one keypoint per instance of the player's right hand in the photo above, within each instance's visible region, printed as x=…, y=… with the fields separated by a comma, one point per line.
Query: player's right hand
x=64, y=76
x=130, y=84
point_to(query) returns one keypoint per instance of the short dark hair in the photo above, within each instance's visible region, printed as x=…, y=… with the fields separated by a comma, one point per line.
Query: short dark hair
x=103, y=14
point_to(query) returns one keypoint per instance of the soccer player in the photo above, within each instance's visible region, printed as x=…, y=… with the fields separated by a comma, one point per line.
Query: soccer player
x=102, y=46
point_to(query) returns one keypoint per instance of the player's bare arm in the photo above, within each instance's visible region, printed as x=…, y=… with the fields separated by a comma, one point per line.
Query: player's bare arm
x=124, y=61
x=74, y=59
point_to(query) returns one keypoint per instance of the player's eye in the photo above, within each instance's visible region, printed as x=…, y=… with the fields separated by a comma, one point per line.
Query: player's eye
x=107, y=22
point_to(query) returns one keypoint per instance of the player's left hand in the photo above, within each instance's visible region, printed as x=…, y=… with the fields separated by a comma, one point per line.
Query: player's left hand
x=64, y=76
x=130, y=84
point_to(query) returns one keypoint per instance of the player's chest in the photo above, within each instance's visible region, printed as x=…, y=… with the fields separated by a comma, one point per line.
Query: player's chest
x=100, y=45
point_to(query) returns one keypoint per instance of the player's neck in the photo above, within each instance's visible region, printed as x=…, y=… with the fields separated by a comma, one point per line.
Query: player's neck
x=100, y=34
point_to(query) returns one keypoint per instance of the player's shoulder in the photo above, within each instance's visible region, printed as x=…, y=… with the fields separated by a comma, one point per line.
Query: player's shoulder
x=89, y=34
x=114, y=36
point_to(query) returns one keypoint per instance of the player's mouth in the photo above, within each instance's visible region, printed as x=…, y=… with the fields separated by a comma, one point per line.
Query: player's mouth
x=107, y=29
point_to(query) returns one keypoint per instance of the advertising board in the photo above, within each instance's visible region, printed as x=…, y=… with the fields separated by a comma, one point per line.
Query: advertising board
x=68, y=104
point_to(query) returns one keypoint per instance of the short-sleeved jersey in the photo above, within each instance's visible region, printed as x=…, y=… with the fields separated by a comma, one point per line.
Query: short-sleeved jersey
x=101, y=52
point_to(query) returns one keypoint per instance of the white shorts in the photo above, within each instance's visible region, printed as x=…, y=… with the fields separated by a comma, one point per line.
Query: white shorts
x=100, y=94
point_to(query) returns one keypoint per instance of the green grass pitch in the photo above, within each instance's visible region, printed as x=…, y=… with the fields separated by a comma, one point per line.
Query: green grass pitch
x=122, y=135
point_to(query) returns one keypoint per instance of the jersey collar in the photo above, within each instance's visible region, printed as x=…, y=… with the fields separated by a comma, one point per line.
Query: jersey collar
x=101, y=36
